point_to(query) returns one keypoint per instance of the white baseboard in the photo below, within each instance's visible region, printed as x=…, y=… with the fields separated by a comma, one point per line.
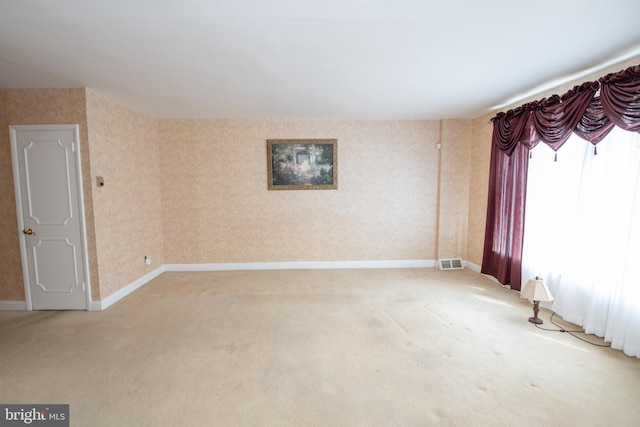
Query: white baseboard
x=123, y=292
x=103, y=304
x=471, y=266
x=310, y=265
x=13, y=305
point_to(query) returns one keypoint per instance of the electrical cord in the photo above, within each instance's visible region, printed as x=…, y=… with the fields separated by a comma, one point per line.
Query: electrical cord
x=572, y=333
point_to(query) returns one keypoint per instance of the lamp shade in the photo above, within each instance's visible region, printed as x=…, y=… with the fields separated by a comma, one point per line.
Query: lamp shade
x=536, y=290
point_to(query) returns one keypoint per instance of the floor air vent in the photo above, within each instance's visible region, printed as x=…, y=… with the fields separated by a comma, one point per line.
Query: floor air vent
x=450, y=264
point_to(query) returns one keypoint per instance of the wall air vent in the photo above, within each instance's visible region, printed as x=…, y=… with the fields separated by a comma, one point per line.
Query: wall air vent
x=450, y=264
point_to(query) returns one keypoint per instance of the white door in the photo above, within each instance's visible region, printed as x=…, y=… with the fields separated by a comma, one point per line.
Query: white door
x=47, y=178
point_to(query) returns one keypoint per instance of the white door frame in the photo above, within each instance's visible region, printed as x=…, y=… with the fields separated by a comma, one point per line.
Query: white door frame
x=13, y=129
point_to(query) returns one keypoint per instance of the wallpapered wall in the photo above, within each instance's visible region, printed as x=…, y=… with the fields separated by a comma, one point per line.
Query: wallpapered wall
x=195, y=191
x=480, y=152
x=127, y=212
x=216, y=206
x=457, y=138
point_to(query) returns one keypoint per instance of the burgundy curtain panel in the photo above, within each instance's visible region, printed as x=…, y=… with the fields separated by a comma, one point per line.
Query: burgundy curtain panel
x=551, y=121
x=502, y=257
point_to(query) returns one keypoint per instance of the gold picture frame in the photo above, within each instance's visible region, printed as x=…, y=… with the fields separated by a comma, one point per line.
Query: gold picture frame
x=302, y=164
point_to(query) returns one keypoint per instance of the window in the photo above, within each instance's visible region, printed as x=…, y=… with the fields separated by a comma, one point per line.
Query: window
x=582, y=233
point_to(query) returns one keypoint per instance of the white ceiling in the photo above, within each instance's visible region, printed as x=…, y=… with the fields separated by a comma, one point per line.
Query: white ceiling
x=360, y=59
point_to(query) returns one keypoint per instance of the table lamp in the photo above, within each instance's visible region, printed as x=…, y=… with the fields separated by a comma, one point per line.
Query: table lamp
x=535, y=290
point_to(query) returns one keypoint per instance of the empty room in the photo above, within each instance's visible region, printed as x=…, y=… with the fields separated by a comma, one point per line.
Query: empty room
x=338, y=213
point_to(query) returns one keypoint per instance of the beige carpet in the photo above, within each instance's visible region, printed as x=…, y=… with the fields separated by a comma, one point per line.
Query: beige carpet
x=405, y=347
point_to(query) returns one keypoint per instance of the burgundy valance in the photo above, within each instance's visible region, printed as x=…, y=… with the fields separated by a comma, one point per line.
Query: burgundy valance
x=620, y=93
x=581, y=110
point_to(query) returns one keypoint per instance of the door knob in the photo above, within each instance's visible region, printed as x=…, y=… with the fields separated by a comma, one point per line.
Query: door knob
x=28, y=231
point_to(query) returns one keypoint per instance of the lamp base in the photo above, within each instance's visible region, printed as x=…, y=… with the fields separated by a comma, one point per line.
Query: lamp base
x=535, y=319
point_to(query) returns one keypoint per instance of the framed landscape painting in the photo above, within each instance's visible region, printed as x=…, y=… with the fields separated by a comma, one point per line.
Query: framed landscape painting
x=302, y=164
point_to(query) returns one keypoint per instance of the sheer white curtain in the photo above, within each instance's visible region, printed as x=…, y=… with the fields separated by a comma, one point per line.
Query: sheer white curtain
x=582, y=234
